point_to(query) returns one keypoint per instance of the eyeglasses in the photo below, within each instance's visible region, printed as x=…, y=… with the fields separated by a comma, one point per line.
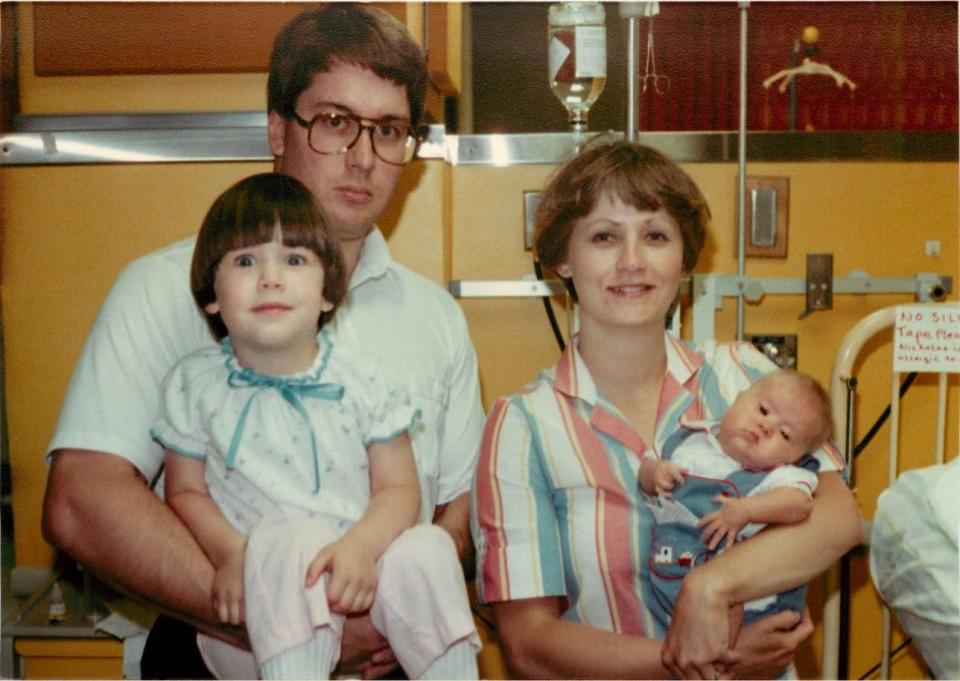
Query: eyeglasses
x=393, y=142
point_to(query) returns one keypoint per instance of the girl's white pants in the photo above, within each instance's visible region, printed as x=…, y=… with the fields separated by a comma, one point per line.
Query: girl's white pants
x=421, y=605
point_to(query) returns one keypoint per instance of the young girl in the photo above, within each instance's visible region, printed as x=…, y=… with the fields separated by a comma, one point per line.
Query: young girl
x=289, y=460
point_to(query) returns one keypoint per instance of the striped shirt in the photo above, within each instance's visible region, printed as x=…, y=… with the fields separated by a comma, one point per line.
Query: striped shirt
x=557, y=510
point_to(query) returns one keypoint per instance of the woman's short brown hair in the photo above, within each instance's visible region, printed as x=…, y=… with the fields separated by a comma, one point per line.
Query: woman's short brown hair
x=248, y=214
x=639, y=176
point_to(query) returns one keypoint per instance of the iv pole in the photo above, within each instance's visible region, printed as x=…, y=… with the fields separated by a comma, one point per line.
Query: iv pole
x=742, y=169
x=632, y=11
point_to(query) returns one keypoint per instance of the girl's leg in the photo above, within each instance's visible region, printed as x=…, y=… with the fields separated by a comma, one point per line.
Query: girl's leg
x=459, y=661
x=311, y=660
x=421, y=606
x=292, y=632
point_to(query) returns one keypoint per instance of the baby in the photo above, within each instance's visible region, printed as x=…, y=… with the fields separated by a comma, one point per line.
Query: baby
x=721, y=482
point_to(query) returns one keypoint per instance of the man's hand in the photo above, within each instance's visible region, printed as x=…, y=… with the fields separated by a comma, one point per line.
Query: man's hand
x=364, y=652
x=724, y=523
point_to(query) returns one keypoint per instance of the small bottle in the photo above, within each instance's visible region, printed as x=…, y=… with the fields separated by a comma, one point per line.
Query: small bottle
x=577, y=51
x=57, y=609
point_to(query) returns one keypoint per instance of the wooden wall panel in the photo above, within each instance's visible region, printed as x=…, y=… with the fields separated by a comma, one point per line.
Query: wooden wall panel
x=107, y=38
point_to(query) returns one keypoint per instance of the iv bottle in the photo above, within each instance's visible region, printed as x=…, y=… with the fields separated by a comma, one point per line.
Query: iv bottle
x=577, y=50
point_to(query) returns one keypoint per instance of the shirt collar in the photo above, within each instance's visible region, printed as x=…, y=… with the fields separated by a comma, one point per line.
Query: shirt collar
x=702, y=425
x=375, y=260
x=683, y=362
x=572, y=379
x=571, y=376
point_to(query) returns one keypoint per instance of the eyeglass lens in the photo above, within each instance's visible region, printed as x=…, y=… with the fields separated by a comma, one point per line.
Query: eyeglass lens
x=335, y=133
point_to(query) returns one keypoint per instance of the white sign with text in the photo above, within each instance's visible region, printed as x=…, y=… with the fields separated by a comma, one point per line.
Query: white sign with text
x=927, y=338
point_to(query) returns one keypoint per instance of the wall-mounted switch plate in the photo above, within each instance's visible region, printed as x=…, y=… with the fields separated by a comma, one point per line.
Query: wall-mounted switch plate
x=767, y=207
x=819, y=283
x=530, y=201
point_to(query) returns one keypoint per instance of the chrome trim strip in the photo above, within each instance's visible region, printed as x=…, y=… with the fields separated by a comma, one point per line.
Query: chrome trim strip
x=533, y=288
x=241, y=136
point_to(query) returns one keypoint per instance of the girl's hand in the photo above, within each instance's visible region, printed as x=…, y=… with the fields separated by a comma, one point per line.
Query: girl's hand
x=724, y=523
x=228, y=589
x=768, y=645
x=353, y=574
x=667, y=477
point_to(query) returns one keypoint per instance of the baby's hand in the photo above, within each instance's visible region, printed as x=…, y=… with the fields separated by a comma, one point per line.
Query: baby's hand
x=723, y=523
x=353, y=574
x=667, y=476
x=228, y=589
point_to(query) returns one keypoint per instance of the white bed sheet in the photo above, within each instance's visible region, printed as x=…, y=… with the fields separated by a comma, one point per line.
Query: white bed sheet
x=914, y=561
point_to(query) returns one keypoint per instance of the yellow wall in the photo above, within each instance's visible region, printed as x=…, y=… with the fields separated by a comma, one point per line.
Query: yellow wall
x=67, y=231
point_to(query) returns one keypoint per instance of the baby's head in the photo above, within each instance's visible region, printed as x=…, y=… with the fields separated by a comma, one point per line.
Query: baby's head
x=781, y=417
x=255, y=211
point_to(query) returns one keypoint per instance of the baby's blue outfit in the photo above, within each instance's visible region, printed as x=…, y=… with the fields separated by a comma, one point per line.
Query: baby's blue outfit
x=677, y=545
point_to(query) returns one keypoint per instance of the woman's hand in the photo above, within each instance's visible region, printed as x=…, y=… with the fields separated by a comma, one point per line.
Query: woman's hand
x=228, y=589
x=353, y=573
x=768, y=645
x=698, y=641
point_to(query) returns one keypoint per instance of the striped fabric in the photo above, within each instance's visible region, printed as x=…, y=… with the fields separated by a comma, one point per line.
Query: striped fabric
x=557, y=510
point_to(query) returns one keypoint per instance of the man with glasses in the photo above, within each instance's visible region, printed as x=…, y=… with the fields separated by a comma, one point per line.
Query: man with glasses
x=345, y=93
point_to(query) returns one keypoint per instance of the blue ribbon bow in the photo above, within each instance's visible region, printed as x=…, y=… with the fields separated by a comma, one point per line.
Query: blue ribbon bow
x=291, y=390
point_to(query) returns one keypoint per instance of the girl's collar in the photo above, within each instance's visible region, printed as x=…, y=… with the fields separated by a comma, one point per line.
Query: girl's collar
x=310, y=375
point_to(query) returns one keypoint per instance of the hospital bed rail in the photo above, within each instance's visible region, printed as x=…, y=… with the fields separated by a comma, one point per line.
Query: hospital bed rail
x=843, y=394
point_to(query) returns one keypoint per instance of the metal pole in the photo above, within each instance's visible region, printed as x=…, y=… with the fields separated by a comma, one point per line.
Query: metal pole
x=742, y=167
x=632, y=11
x=632, y=48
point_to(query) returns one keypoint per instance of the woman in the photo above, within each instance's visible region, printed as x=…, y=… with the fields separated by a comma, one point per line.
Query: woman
x=560, y=526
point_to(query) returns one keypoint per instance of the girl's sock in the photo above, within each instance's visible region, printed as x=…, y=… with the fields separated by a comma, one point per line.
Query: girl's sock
x=459, y=661
x=311, y=660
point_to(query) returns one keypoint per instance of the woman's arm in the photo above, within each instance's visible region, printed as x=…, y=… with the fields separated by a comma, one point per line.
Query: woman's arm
x=394, y=506
x=776, y=559
x=538, y=644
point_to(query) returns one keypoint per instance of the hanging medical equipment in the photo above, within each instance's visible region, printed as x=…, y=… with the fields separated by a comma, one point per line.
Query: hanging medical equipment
x=651, y=79
x=808, y=68
x=577, y=57
x=806, y=46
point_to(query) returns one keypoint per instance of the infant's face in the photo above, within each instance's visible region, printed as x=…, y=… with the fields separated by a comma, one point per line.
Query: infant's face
x=769, y=425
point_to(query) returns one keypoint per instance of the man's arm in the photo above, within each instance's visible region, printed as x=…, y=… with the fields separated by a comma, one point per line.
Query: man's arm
x=99, y=509
x=776, y=559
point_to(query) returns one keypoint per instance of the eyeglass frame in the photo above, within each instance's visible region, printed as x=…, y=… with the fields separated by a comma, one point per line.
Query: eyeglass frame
x=412, y=134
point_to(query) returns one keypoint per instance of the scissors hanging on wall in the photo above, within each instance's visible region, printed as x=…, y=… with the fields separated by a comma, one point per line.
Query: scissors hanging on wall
x=650, y=78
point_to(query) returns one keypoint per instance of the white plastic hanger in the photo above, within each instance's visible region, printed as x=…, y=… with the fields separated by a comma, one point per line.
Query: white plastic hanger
x=807, y=68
